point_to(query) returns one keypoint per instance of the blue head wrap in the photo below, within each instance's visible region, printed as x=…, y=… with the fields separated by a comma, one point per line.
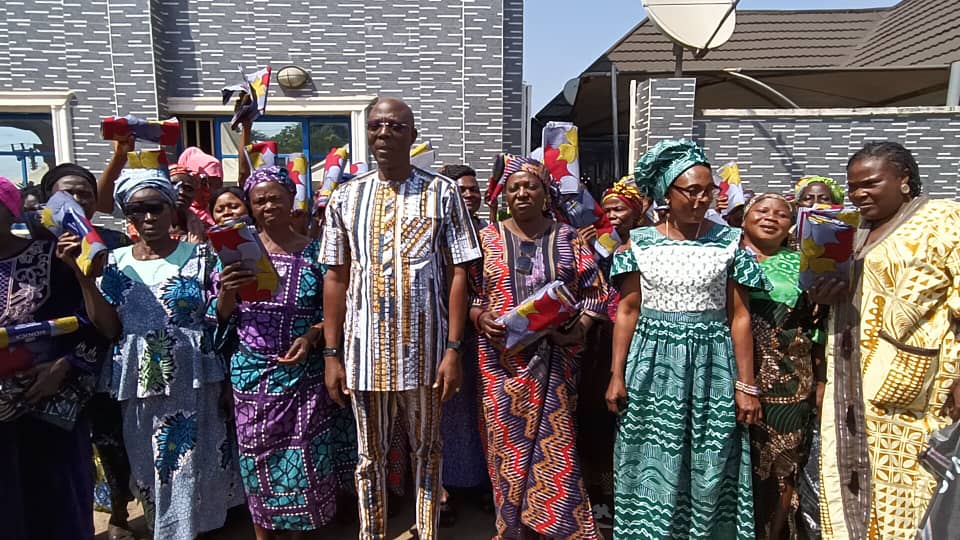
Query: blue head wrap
x=661, y=165
x=133, y=180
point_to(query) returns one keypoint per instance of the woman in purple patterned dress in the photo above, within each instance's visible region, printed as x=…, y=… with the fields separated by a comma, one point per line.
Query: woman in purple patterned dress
x=297, y=448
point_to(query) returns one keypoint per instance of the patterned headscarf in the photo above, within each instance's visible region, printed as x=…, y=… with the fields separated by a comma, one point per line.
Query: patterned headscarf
x=10, y=196
x=133, y=180
x=508, y=164
x=661, y=165
x=836, y=190
x=762, y=197
x=626, y=190
x=270, y=173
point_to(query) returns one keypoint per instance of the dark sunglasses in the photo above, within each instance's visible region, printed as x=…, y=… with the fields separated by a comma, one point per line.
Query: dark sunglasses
x=141, y=209
x=396, y=127
x=525, y=260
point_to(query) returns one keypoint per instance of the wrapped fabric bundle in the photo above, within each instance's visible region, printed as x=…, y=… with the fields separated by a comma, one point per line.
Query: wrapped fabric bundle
x=582, y=212
x=261, y=154
x=252, y=103
x=164, y=132
x=148, y=159
x=237, y=240
x=942, y=460
x=728, y=178
x=333, y=167
x=63, y=214
x=548, y=308
x=423, y=155
x=561, y=155
x=297, y=170
x=16, y=354
x=826, y=243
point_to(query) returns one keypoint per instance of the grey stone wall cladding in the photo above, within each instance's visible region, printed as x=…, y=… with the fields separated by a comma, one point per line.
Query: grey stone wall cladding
x=664, y=111
x=774, y=152
x=458, y=63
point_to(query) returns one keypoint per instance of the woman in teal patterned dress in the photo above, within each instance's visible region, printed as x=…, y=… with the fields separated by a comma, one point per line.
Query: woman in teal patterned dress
x=682, y=373
x=164, y=371
x=784, y=328
x=297, y=447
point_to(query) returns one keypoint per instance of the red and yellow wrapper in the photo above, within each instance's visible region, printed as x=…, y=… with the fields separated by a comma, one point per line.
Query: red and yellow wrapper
x=237, y=240
x=826, y=243
x=547, y=309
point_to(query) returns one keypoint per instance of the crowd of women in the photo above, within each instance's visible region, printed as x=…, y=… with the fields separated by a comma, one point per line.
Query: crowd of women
x=698, y=392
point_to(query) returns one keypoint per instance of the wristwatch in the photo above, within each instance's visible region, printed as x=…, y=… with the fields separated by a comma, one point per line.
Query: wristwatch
x=332, y=351
x=454, y=345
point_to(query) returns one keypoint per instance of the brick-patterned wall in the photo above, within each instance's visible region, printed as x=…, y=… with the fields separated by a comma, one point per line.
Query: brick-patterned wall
x=664, y=110
x=457, y=62
x=775, y=148
x=774, y=151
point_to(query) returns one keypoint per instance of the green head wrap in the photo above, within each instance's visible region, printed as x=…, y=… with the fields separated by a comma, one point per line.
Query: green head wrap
x=836, y=190
x=661, y=165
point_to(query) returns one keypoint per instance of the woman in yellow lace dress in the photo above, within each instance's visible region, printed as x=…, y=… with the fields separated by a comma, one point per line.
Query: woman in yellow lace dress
x=893, y=350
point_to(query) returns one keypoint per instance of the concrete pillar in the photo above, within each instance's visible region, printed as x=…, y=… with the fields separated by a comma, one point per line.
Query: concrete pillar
x=660, y=109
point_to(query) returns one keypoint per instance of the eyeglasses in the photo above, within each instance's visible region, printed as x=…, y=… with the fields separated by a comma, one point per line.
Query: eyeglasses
x=140, y=209
x=396, y=127
x=694, y=193
x=525, y=261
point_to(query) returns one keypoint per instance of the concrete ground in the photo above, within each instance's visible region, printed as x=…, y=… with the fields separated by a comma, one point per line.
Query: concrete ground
x=472, y=524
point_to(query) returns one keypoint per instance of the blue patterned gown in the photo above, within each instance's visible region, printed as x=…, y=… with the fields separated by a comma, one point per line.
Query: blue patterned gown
x=681, y=461
x=168, y=380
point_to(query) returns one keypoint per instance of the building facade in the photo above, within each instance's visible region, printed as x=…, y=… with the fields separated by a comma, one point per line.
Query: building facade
x=64, y=65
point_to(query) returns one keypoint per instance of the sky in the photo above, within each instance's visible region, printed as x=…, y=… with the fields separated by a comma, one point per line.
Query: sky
x=584, y=29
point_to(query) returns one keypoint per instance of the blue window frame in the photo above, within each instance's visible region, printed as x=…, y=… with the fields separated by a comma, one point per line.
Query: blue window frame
x=26, y=147
x=313, y=136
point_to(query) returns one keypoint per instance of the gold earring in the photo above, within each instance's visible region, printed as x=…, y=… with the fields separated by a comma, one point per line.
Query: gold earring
x=904, y=188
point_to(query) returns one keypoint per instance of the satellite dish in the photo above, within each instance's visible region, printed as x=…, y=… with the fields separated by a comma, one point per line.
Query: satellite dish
x=570, y=90
x=700, y=25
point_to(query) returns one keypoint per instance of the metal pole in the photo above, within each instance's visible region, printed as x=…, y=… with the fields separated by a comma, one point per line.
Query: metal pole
x=953, y=90
x=616, y=121
x=678, y=54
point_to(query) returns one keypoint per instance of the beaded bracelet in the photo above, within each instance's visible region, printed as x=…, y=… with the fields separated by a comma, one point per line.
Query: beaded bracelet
x=748, y=389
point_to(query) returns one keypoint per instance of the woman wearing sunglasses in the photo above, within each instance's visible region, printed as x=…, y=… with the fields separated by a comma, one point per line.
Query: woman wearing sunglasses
x=164, y=371
x=529, y=397
x=682, y=375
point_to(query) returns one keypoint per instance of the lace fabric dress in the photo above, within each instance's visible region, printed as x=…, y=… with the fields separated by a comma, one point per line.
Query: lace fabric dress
x=681, y=460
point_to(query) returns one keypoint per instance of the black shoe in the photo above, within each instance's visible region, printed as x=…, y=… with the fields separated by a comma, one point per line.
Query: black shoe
x=448, y=514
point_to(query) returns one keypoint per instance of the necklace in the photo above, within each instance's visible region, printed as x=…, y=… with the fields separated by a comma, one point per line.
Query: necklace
x=681, y=234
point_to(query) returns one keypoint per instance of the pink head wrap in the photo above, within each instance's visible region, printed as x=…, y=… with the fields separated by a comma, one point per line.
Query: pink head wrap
x=200, y=162
x=10, y=196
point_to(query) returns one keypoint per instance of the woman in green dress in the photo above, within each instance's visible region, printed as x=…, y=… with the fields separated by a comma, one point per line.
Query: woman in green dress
x=682, y=373
x=784, y=329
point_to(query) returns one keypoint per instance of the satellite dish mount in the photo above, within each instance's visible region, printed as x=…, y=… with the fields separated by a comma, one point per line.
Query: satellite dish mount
x=698, y=25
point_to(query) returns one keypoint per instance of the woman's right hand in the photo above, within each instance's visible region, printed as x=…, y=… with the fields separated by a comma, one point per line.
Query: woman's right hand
x=828, y=291
x=616, y=394
x=235, y=276
x=495, y=332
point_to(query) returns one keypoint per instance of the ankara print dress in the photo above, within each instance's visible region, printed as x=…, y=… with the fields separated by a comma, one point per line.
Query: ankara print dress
x=297, y=447
x=681, y=461
x=168, y=380
x=529, y=399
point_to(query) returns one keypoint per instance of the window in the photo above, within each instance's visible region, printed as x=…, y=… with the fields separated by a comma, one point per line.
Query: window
x=312, y=136
x=198, y=132
x=26, y=147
